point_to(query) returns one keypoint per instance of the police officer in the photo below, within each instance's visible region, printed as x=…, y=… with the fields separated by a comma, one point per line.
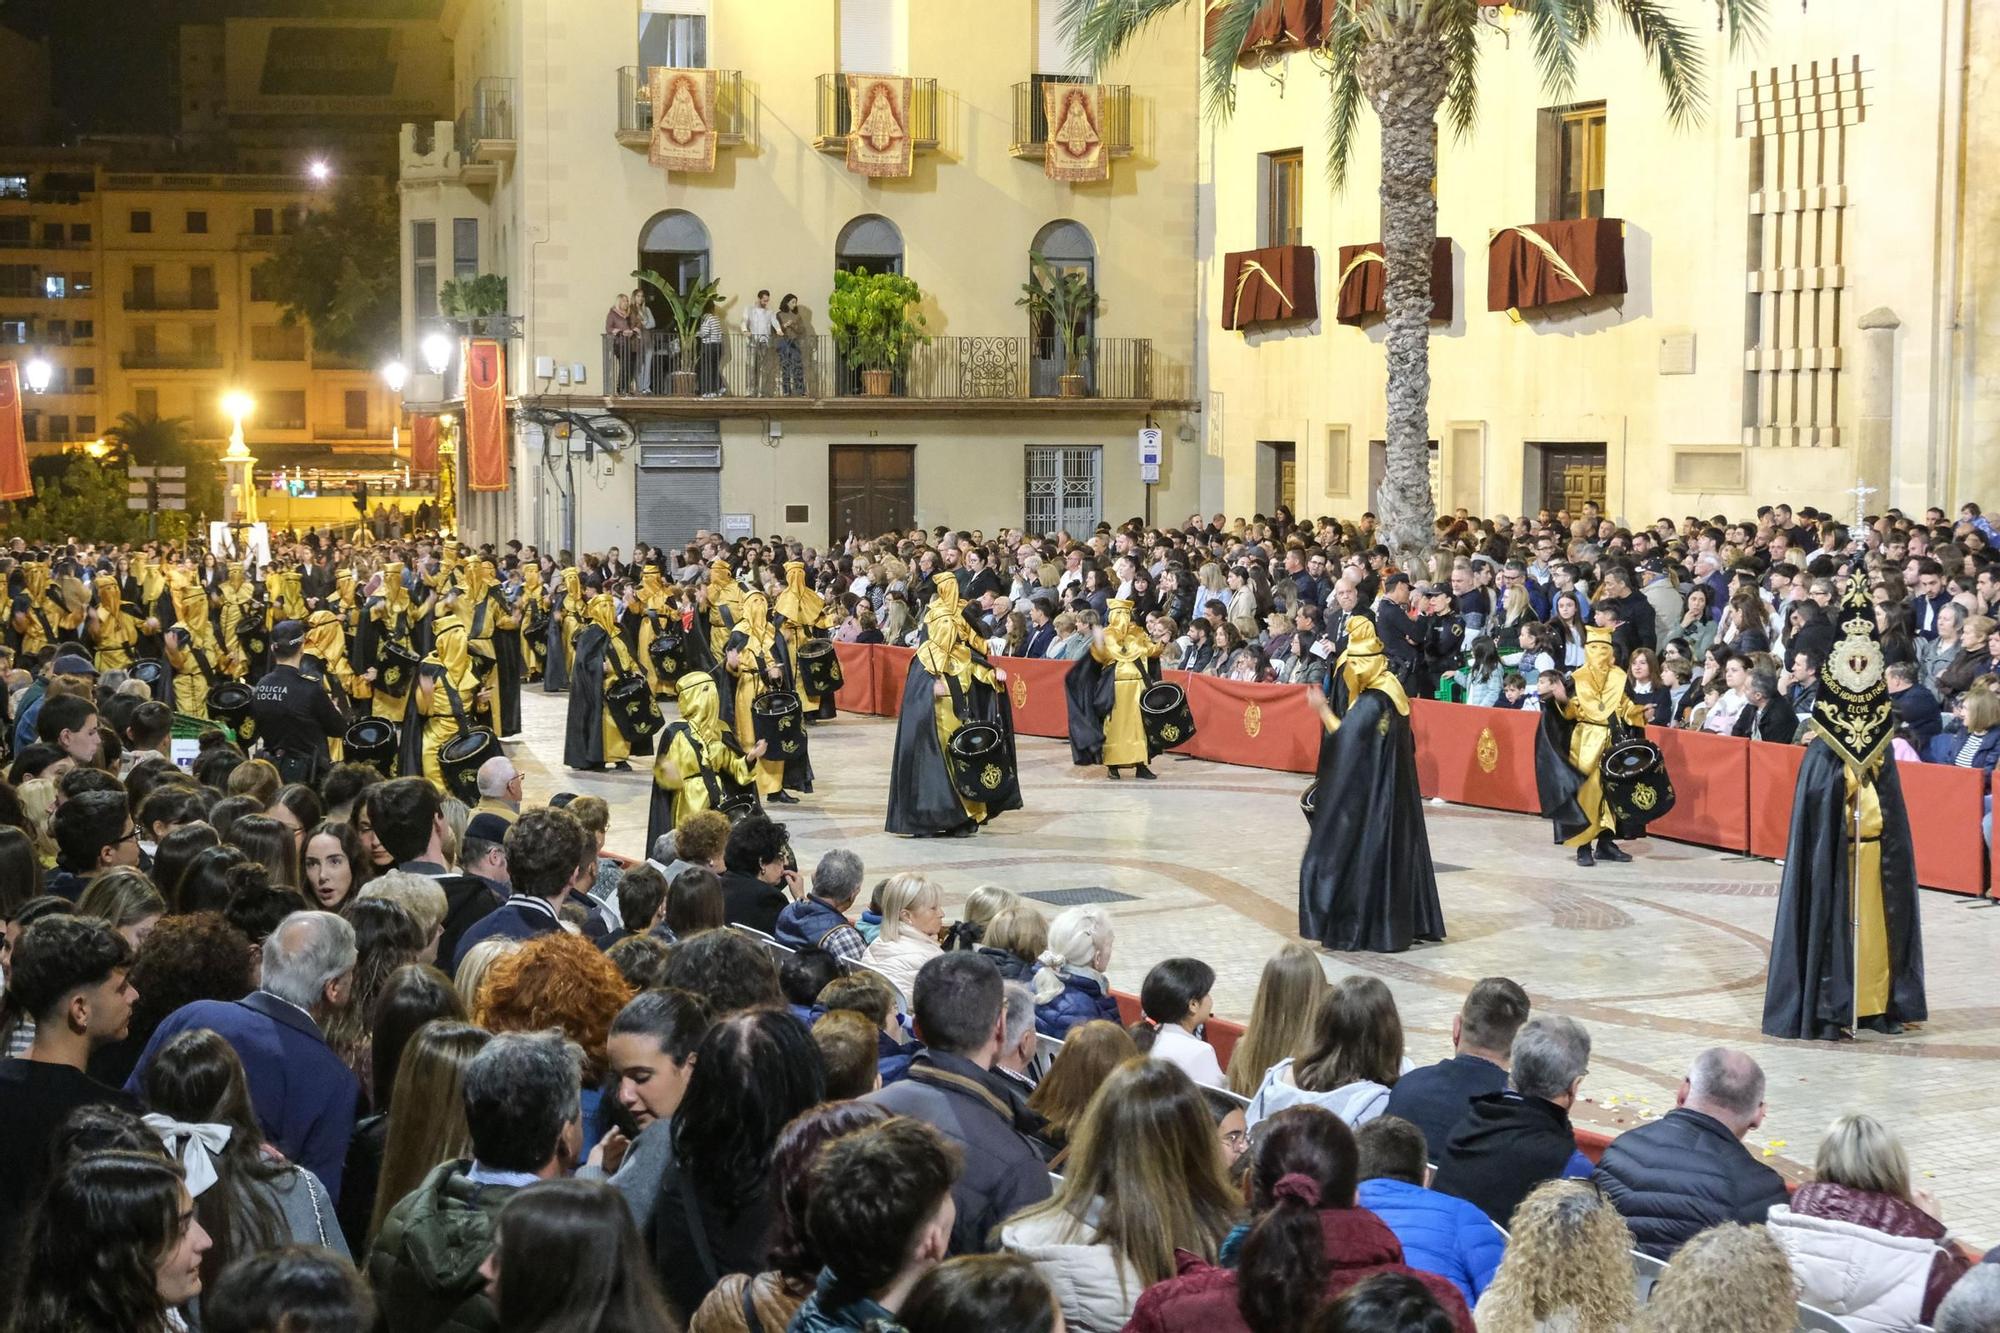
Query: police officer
x=293, y=712
x=1442, y=636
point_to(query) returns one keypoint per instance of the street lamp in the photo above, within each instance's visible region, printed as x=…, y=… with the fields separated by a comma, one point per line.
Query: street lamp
x=320, y=172
x=395, y=375
x=40, y=372
x=437, y=353
x=237, y=404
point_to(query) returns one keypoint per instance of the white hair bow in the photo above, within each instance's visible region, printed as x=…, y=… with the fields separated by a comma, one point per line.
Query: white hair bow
x=194, y=1146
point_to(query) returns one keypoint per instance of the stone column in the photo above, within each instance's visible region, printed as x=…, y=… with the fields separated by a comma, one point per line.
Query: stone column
x=1874, y=432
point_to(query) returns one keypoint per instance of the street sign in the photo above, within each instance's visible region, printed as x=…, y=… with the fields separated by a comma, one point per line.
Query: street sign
x=135, y=470
x=1149, y=473
x=141, y=489
x=1149, y=447
x=173, y=502
x=138, y=502
x=166, y=472
x=172, y=488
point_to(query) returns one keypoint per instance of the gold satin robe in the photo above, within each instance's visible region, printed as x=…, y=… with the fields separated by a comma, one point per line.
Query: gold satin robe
x=801, y=611
x=947, y=655
x=452, y=663
x=754, y=655
x=677, y=768
x=115, y=631
x=1126, y=653
x=1594, y=700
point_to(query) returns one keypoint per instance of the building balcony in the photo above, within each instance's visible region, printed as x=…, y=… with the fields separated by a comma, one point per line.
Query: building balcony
x=437, y=152
x=963, y=372
x=21, y=243
x=170, y=301
x=835, y=117
x=635, y=106
x=485, y=130
x=349, y=433
x=1031, y=119
x=170, y=360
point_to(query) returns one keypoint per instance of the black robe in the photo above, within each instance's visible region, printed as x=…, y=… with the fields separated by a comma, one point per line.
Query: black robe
x=798, y=767
x=922, y=800
x=583, y=739
x=1090, y=689
x=555, y=665
x=507, y=663
x=1556, y=780
x=1366, y=882
x=1809, y=991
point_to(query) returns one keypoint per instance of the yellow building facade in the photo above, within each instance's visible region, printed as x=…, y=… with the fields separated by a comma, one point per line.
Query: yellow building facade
x=545, y=180
x=1810, y=294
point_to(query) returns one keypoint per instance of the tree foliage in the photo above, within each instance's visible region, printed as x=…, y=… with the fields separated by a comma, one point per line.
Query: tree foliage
x=78, y=496
x=874, y=318
x=475, y=297
x=338, y=272
x=156, y=441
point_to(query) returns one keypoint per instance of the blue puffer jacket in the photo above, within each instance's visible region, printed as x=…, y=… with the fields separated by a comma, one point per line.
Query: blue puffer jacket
x=1440, y=1234
x=1082, y=1000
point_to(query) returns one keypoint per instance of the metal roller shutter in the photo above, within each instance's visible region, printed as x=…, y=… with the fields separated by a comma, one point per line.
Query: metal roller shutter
x=680, y=481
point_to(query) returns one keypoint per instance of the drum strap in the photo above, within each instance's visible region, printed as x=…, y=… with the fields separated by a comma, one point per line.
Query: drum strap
x=201, y=660
x=708, y=777
x=457, y=707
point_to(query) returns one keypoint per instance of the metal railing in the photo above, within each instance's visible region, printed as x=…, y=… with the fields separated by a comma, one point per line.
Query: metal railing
x=170, y=360
x=1031, y=119
x=491, y=115
x=635, y=103
x=171, y=301
x=993, y=368
x=836, y=113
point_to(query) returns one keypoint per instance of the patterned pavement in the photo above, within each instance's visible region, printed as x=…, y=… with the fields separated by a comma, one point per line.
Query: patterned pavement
x=1658, y=959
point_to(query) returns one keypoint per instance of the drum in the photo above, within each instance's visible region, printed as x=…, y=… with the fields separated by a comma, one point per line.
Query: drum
x=229, y=703
x=819, y=668
x=1164, y=712
x=1637, y=789
x=253, y=636
x=665, y=653
x=372, y=741
x=633, y=710
x=396, y=669
x=1309, y=801
x=981, y=767
x=460, y=758
x=780, y=724
x=150, y=670
x=537, y=628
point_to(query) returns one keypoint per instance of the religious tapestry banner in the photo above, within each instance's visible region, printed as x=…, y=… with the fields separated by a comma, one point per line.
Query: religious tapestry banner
x=485, y=415
x=424, y=443
x=1363, y=277
x=878, y=137
x=1075, y=148
x=1545, y=263
x=684, y=133
x=14, y=483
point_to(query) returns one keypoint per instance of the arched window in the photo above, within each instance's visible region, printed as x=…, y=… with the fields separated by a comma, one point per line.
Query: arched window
x=1067, y=248
x=674, y=244
x=871, y=242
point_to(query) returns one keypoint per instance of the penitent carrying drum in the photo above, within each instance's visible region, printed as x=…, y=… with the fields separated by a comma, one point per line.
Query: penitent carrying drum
x=633, y=710
x=665, y=652
x=819, y=668
x=460, y=758
x=1164, y=712
x=229, y=703
x=396, y=670
x=372, y=741
x=1636, y=786
x=981, y=767
x=780, y=724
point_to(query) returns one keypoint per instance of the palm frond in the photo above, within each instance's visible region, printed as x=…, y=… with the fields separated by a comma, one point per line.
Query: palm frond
x=1225, y=26
x=1100, y=29
x=1552, y=23
x=1676, y=54
x=1744, y=20
x=1460, y=27
x=1343, y=114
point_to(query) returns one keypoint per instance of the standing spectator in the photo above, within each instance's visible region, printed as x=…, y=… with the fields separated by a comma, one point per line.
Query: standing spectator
x=760, y=328
x=1349, y=1063
x=548, y=855
x=1568, y=1265
x=621, y=337
x=304, y=1094
x=791, y=352
x=558, y=982
x=1439, y=1234
x=427, y=1119
x=880, y=1215
x=582, y=1231
x=405, y=818
x=641, y=339
x=1509, y=1142
x=708, y=338
x=821, y=920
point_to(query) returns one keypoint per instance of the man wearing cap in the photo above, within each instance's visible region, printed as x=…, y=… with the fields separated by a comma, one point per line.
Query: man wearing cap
x=482, y=854
x=293, y=713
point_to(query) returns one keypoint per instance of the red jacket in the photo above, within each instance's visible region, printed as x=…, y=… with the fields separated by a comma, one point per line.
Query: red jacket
x=1203, y=1298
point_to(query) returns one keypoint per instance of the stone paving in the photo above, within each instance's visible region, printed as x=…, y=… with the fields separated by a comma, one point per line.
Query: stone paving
x=1658, y=959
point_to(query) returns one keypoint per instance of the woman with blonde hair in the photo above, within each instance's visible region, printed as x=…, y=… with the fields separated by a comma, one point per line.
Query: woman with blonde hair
x=1281, y=1017
x=1072, y=988
x=1014, y=939
x=912, y=918
x=1143, y=1180
x=1865, y=1244
x=1729, y=1267
x=1568, y=1266
x=126, y=899
x=981, y=906
x=1088, y=1055
x=478, y=961
x=427, y=1119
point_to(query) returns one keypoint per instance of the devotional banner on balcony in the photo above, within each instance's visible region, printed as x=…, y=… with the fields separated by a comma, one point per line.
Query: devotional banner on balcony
x=878, y=136
x=1075, y=147
x=683, y=119
x=485, y=416
x=424, y=443
x=14, y=483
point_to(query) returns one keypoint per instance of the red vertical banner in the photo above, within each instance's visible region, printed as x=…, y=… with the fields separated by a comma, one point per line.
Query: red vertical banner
x=485, y=416
x=14, y=483
x=424, y=443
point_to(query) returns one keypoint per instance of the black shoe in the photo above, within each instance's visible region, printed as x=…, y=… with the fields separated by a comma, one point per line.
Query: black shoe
x=1608, y=850
x=1882, y=1023
x=965, y=830
x=782, y=798
x=1144, y=773
x=1112, y=773
x=621, y=767
x=1585, y=857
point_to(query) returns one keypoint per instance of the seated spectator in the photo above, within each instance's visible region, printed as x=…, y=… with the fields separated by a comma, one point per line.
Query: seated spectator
x=1865, y=1244
x=694, y=904
x=802, y=976
x=548, y=855
x=1729, y=1267
x=427, y=1121
x=1509, y=1142
x=1310, y=1242
x=912, y=921
x=1915, y=707
x=581, y=1230
x=1072, y=987
x=847, y=1052
x=1435, y=1097
x=1088, y=1055
x=1142, y=1180
x=961, y=1015
x=1973, y=1305
x=521, y=1113
x=880, y=1215
x=757, y=879
x=1014, y=939
x=1439, y=1234
x=1767, y=715
x=867, y=994
x=1974, y=745
x=248, y=1200
x=981, y=906
x=701, y=839
x=728, y=971
x=292, y=1289
x=304, y=1094
x=1350, y=1062
x=1688, y=1171
x=1289, y=991
x=981, y=1291
x=754, y=1072
x=1020, y=1046
x=1385, y=1303
x=1175, y=1001
x=820, y=920
x=1568, y=1264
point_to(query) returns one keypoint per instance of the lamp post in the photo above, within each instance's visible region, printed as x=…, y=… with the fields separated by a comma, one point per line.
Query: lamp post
x=437, y=349
x=39, y=372
x=239, y=501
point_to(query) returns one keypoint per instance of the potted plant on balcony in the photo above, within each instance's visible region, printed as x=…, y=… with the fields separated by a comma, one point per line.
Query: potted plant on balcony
x=684, y=310
x=875, y=323
x=476, y=300
x=1063, y=297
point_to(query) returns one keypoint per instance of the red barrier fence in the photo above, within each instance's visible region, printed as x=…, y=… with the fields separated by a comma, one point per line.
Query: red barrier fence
x=1730, y=793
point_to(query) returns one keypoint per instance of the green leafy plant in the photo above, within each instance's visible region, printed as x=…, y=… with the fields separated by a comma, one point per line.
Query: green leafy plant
x=156, y=441
x=473, y=298
x=76, y=495
x=874, y=318
x=338, y=273
x=1063, y=297
x=683, y=309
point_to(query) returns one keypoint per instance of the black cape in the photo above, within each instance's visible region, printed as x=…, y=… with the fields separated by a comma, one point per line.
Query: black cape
x=507, y=664
x=1809, y=991
x=1090, y=689
x=1366, y=882
x=922, y=800
x=555, y=667
x=583, y=739
x=1556, y=779
x=798, y=767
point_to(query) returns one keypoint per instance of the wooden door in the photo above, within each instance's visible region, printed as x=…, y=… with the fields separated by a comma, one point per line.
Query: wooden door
x=1571, y=475
x=872, y=489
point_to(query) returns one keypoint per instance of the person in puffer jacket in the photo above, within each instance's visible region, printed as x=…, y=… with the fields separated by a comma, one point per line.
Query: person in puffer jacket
x=1864, y=1245
x=1439, y=1234
x=1353, y=1056
x=1071, y=989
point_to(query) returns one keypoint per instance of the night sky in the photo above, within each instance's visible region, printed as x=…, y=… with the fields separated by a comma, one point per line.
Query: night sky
x=114, y=59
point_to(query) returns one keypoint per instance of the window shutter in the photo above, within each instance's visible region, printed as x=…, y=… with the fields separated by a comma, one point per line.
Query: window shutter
x=1053, y=53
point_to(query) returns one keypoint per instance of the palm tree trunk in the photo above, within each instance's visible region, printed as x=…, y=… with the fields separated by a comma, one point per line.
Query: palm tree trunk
x=1404, y=77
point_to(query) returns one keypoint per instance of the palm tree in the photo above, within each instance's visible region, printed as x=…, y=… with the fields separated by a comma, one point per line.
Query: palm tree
x=157, y=441
x=1406, y=59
